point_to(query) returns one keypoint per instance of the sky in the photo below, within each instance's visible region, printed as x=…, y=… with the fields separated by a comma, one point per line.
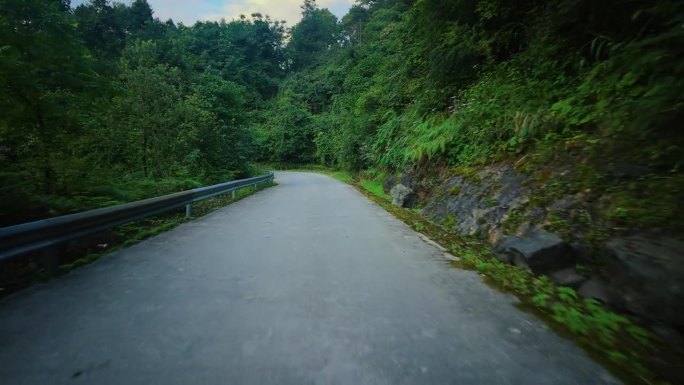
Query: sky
x=189, y=11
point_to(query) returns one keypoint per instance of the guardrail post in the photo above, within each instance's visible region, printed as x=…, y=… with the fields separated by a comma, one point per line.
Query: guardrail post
x=233, y=193
x=256, y=185
x=188, y=210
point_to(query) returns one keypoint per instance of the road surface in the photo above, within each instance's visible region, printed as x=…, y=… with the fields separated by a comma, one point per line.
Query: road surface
x=305, y=283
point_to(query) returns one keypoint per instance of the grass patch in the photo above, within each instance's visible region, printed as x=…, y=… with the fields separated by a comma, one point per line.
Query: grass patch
x=343, y=176
x=375, y=187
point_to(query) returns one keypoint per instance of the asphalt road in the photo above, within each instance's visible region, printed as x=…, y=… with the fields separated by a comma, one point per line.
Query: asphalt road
x=304, y=283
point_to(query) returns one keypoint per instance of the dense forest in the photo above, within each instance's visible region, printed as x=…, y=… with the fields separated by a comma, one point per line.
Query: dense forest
x=103, y=103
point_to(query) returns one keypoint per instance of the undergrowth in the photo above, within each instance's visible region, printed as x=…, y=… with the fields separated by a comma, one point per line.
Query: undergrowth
x=343, y=176
x=375, y=188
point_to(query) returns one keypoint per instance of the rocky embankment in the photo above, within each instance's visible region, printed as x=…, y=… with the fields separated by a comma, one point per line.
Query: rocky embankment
x=638, y=272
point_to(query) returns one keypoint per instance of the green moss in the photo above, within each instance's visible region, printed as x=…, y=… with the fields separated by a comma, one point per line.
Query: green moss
x=449, y=222
x=491, y=201
x=468, y=173
x=455, y=190
x=558, y=223
x=514, y=219
x=418, y=226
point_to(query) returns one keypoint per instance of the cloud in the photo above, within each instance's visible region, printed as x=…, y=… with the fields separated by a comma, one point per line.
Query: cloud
x=288, y=10
x=190, y=11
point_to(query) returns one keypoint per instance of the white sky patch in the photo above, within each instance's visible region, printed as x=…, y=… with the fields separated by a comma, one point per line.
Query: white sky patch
x=288, y=10
x=190, y=11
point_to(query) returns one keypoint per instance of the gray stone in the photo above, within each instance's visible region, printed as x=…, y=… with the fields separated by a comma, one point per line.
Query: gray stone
x=536, y=213
x=539, y=250
x=388, y=183
x=565, y=203
x=408, y=180
x=504, y=257
x=520, y=261
x=626, y=170
x=403, y=196
x=595, y=288
x=646, y=277
x=567, y=277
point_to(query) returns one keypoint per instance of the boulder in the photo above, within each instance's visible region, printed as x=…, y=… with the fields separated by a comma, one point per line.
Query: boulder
x=503, y=257
x=520, y=261
x=595, y=288
x=388, y=183
x=408, y=180
x=539, y=250
x=567, y=277
x=646, y=277
x=403, y=196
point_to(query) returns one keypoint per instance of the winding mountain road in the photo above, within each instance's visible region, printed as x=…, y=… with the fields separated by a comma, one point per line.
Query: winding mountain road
x=305, y=283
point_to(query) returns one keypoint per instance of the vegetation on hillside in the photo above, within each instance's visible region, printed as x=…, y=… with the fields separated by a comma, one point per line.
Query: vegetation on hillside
x=419, y=84
x=104, y=103
x=474, y=80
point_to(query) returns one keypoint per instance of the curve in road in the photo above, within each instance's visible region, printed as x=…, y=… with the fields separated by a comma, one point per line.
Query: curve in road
x=304, y=283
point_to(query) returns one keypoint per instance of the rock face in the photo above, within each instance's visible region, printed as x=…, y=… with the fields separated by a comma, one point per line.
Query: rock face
x=646, y=277
x=538, y=249
x=403, y=196
x=642, y=275
x=479, y=201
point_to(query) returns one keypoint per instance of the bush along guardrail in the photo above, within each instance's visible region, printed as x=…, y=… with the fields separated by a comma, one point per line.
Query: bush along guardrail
x=47, y=234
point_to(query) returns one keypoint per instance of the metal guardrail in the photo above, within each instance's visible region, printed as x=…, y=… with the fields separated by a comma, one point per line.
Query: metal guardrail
x=44, y=234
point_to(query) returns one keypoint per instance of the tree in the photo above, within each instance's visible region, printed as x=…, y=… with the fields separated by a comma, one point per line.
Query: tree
x=352, y=23
x=287, y=135
x=226, y=146
x=100, y=28
x=139, y=16
x=43, y=68
x=315, y=34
